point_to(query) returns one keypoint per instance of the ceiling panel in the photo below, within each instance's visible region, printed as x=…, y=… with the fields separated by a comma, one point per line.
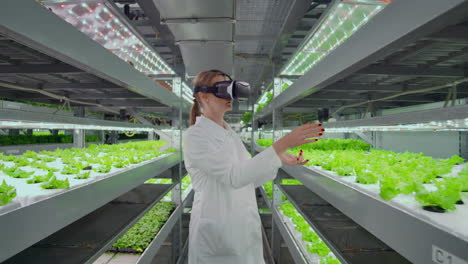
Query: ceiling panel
x=194, y=8
x=201, y=56
x=202, y=31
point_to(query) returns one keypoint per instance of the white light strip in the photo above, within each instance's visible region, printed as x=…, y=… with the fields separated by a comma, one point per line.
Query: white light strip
x=343, y=20
x=321, y=42
x=46, y=125
x=103, y=24
x=187, y=98
x=435, y=126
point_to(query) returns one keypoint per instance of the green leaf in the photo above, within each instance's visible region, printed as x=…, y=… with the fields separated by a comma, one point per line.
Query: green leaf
x=102, y=169
x=83, y=175
x=7, y=193
x=19, y=173
x=319, y=248
x=53, y=183
x=140, y=235
x=39, y=179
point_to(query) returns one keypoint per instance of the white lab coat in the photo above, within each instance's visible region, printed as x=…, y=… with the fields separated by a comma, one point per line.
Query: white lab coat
x=225, y=226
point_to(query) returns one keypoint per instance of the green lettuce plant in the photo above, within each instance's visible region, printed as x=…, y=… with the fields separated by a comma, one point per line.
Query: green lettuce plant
x=9, y=158
x=19, y=173
x=102, y=169
x=310, y=236
x=447, y=194
x=121, y=163
x=329, y=260
x=53, y=183
x=39, y=179
x=42, y=166
x=140, y=235
x=463, y=178
x=319, y=248
x=46, y=159
x=69, y=170
x=7, y=193
x=83, y=175
x=21, y=162
x=30, y=154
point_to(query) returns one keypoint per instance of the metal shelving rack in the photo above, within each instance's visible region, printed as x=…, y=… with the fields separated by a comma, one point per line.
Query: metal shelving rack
x=285, y=232
x=352, y=72
x=408, y=28
x=24, y=21
x=81, y=214
x=32, y=223
x=87, y=238
x=149, y=254
x=412, y=233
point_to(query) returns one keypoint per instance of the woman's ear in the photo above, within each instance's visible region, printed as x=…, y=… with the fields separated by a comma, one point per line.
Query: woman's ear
x=203, y=97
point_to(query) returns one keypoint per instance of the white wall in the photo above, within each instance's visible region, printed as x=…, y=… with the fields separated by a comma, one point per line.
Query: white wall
x=435, y=144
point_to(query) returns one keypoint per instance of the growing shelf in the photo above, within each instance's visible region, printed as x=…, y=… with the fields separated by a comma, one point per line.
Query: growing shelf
x=148, y=255
x=18, y=119
x=29, y=224
x=350, y=57
x=286, y=232
x=347, y=240
x=416, y=234
x=78, y=50
x=87, y=238
x=440, y=119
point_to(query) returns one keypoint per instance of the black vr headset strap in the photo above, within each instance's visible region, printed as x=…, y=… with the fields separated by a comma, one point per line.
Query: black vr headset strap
x=204, y=89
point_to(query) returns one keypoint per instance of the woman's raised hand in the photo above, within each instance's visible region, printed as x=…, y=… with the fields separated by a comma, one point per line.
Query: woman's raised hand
x=299, y=136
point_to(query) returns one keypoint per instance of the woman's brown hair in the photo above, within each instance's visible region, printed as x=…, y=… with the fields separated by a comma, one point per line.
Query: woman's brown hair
x=204, y=78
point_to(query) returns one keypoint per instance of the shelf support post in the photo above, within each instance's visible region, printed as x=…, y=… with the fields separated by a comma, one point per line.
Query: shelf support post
x=254, y=129
x=277, y=195
x=79, y=134
x=177, y=123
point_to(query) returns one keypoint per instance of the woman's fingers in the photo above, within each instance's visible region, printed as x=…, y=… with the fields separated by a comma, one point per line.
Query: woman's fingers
x=310, y=140
x=314, y=133
x=308, y=125
x=312, y=130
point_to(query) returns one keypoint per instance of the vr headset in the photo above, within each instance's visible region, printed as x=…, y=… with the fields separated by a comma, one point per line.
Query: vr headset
x=231, y=90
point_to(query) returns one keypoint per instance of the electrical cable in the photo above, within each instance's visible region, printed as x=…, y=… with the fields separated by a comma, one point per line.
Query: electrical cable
x=152, y=116
x=55, y=96
x=401, y=94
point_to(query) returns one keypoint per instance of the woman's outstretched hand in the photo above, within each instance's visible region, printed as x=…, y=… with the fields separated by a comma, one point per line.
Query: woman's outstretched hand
x=290, y=159
x=298, y=137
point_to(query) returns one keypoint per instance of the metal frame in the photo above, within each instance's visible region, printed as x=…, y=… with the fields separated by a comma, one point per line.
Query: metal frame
x=32, y=223
x=127, y=227
x=170, y=225
x=409, y=233
x=29, y=116
x=19, y=149
x=275, y=225
x=316, y=230
x=265, y=197
x=422, y=116
x=409, y=27
x=76, y=49
x=288, y=238
x=283, y=230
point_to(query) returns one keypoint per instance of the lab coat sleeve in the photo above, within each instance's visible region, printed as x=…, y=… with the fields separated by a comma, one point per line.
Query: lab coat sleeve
x=218, y=164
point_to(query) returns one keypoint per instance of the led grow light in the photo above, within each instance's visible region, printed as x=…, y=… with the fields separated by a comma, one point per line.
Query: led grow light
x=342, y=21
x=434, y=126
x=49, y=125
x=101, y=22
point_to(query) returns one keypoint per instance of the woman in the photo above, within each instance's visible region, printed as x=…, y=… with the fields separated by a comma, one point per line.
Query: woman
x=225, y=224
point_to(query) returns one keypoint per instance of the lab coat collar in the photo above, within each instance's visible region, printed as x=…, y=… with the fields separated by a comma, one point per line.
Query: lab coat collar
x=212, y=127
